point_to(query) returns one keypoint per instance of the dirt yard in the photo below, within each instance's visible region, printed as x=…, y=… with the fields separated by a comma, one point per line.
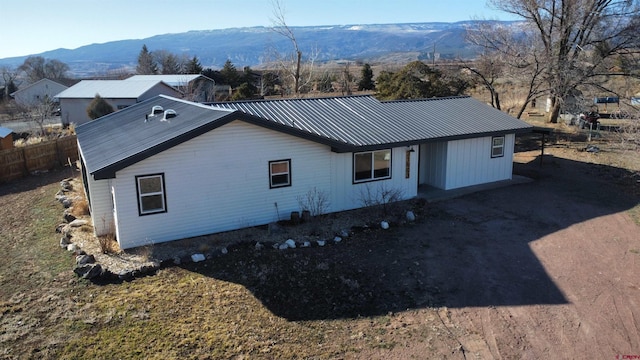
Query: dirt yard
x=542, y=270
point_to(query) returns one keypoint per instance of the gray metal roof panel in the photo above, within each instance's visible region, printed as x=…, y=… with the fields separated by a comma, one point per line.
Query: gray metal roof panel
x=364, y=121
x=125, y=137
x=110, y=89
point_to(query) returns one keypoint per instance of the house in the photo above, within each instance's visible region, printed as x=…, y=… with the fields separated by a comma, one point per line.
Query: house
x=166, y=169
x=36, y=93
x=118, y=93
x=6, y=138
x=194, y=87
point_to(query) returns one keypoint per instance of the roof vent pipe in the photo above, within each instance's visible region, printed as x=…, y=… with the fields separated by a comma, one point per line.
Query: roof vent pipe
x=156, y=109
x=168, y=114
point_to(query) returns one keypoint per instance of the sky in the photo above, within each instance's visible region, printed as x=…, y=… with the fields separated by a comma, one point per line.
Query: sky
x=34, y=26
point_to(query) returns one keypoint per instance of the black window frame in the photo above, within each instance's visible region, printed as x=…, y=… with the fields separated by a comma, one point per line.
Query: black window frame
x=141, y=212
x=372, y=174
x=272, y=175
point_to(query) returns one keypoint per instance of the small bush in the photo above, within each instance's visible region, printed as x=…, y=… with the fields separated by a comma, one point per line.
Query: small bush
x=108, y=244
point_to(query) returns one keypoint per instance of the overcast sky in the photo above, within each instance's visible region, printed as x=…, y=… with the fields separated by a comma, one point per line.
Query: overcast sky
x=35, y=26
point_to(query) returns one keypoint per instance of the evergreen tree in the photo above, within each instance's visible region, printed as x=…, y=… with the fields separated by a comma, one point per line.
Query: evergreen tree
x=98, y=107
x=193, y=66
x=230, y=74
x=245, y=91
x=366, y=81
x=415, y=81
x=146, y=63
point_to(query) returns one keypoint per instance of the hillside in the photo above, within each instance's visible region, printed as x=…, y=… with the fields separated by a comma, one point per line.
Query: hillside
x=253, y=46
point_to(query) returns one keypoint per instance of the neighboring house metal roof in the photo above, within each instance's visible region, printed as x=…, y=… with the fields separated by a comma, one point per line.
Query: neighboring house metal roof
x=355, y=123
x=110, y=89
x=174, y=80
x=4, y=132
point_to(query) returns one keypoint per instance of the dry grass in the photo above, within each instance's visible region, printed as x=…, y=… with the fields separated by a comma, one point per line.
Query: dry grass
x=108, y=244
x=80, y=208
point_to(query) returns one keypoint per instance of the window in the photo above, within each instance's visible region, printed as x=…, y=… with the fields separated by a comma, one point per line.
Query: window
x=372, y=165
x=497, y=146
x=151, y=194
x=279, y=173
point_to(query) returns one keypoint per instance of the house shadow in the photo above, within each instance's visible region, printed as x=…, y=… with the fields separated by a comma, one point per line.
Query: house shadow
x=472, y=251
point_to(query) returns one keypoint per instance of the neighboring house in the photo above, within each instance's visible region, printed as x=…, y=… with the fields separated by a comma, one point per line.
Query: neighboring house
x=196, y=169
x=6, y=138
x=194, y=87
x=118, y=93
x=36, y=93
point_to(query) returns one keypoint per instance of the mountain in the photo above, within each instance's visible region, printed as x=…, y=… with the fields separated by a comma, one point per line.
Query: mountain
x=252, y=46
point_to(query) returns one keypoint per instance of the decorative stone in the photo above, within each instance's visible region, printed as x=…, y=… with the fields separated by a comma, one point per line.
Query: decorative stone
x=72, y=247
x=337, y=239
x=176, y=260
x=321, y=242
x=78, y=223
x=89, y=271
x=291, y=243
x=306, y=244
x=259, y=246
x=197, y=257
x=224, y=251
x=64, y=242
x=67, y=203
x=411, y=216
x=344, y=233
x=283, y=246
x=85, y=259
x=384, y=225
x=68, y=217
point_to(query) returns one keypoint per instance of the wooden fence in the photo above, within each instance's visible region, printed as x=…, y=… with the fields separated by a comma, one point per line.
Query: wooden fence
x=19, y=162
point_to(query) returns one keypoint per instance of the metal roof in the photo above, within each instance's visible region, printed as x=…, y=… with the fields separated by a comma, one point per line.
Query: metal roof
x=353, y=123
x=4, y=132
x=363, y=121
x=122, y=138
x=110, y=89
x=172, y=79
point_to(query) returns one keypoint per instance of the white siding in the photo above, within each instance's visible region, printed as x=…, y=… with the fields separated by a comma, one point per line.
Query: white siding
x=469, y=162
x=219, y=181
x=75, y=110
x=101, y=206
x=348, y=196
x=433, y=164
x=35, y=93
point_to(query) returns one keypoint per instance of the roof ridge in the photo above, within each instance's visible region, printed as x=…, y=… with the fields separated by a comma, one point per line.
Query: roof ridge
x=290, y=99
x=427, y=99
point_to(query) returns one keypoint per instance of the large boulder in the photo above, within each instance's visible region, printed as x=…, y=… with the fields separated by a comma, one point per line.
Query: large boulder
x=89, y=271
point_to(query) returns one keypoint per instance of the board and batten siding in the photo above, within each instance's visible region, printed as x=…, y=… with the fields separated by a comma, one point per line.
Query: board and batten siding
x=460, y=163
x=433, y=164
x=469, y=162
x=219, y=181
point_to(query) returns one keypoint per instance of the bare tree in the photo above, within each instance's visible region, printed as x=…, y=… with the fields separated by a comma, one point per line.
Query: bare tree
x=292, y=65
x=37, y=68
x=563, y=45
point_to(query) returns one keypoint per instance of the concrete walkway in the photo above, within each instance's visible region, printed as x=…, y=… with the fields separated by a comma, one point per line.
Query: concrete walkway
x=433, y=194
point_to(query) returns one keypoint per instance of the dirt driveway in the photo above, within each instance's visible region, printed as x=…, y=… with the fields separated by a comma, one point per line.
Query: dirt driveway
x=546, y=270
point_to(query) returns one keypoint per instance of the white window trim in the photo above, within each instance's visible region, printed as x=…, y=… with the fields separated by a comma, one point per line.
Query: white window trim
x=494, y=146
x=373, y=170
x=141, y=211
